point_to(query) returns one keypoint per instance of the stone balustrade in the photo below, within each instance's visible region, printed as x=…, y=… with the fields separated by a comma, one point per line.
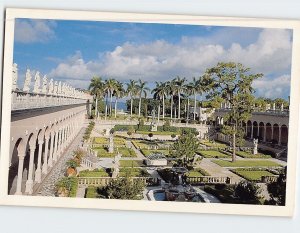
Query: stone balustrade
x=44, y=93
x=103, y=181
x=269, y=179
x=208, y=180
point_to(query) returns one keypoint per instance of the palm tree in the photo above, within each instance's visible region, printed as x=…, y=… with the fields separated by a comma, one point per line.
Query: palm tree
x=179, y=86
x=118, y=93
x=132, y=91
x=141, y=89
x=196, y=88
x=111, y=86
x=187, y=93
x=160, y=92
x=171, y=89
x=97, y=89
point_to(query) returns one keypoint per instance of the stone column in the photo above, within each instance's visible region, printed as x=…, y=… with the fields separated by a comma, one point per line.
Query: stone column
x=38, y=171
x=265, y=133
x=272, y=134
x=251, y=130
x=20, y=173
x=55, y=146
x=258, y=130
x=59, y=143
x=29, y=182
x=50, y=160
x=45, y=164
x=279, y=136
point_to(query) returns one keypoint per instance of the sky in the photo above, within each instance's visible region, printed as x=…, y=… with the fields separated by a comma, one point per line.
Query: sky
x=75, y=51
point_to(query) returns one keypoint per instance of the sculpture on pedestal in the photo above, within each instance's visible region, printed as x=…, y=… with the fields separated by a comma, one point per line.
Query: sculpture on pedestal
x=51, y=87
x=37, y=82
x=255, y=144
x=27, y=81
x=45, y=84
x=153, y=122
x=14, y=76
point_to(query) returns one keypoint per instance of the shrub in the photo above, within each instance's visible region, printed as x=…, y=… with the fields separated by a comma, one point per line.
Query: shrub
x=248, y=192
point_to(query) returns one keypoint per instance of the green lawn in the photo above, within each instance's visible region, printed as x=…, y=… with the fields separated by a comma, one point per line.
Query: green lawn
x=213, y=144
x=148, y=152
x=249, y=155
x=126, y=152
x=142, y=144
x=197, y=172
x=99, y=173
x=156, y=133
x=131, y=163
x=212, y=154
x=133, y=172
x=104, y=141
x=103, y=153
x=247, y=163
x=91, y=192
x=254, y=175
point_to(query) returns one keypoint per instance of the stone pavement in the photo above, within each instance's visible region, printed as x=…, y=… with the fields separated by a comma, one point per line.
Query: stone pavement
x=216, y=170
x=47, y=187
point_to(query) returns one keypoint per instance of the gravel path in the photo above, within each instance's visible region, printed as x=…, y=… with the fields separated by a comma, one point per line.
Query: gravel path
x=47, y=187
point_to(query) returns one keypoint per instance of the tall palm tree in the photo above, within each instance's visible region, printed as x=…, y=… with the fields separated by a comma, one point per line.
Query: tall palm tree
x=180, y=87
x=119, y=92
x=171, y=89
x=111, y=86
x=97, y=89
x=196, y=88
x=142, y=89
x=132, y=91
x=160, y=92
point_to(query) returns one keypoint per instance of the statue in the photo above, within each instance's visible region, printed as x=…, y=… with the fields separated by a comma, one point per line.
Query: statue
x=45, y=82
x=274, y=106
x=55, y=88
x=255, y=144
x=51, y=87
x=27, y=81
x=111, y=144
x=59, y=88
x=281, y=108
x=153, y=122
x=37, y=82
x=14, y=76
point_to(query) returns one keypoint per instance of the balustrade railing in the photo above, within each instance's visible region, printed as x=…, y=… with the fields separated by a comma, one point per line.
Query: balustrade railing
x=208, y=180
x=27, y=100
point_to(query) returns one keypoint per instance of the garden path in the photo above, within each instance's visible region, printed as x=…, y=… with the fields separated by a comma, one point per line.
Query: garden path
x=216, y=170
x=139, y=154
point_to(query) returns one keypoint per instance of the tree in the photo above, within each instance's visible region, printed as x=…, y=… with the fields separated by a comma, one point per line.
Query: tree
x=233, y=83
x=186, y=146
x=179, y=87
x=141, y=89
x=132, y=91
x=171, y=89
x=150, y=135
x=248, y=192
x=97, y=89
x=277, y=190
x=119, y=92
x=125, y=188
x=110, y=86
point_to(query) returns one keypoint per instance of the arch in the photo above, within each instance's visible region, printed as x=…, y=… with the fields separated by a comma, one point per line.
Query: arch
x=268, y=132
x=284, y=135
x=249, y=128
x=255, y=129
x=261, y=131
x=275, y=138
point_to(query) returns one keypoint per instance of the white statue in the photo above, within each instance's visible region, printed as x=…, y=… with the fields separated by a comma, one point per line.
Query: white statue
x=274, y=106
x=59, y=88
x=255, y=144
x=27, y=81
x=51, y=87
x=45, y=84
x=14, y=76
x=37, y=82
x=55, y=87
x=281, y=108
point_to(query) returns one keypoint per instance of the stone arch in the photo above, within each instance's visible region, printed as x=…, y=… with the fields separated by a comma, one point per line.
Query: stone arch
x=275, y=133
x=284, y=135
x=249, y=128
x=261, y=133
x=18, y=149
x=255, y=129
x=268, y=132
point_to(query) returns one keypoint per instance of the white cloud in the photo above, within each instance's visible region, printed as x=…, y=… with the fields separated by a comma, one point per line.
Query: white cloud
x=30, y=31
x=161, y=60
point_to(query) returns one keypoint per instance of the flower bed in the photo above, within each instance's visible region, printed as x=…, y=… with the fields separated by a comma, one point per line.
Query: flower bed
x=247, y=163
x=126, y=152
x=252, y=174
x=94, y=173
x=245, y=154
x=212, y=154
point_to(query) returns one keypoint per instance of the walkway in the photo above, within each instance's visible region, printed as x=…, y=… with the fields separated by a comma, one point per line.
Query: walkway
x=216, y=170
x=47, y=187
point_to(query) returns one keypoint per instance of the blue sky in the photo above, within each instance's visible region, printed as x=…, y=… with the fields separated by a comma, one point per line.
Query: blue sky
x=75, y=51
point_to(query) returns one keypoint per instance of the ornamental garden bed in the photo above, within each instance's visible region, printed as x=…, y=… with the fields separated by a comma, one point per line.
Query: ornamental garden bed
x=131, y=163
x=133, y=172
x=254, y=175
x=246, y=163
x=212, y=154
x=105, y=141
x=245, y=154
x=213, y=144
x=198, y=172
x=103, y=152
x=149, y=152
x=95, y=173
x=126, y=152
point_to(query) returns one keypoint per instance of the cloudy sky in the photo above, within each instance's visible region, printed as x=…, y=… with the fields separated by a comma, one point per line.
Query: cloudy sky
x=75, y=51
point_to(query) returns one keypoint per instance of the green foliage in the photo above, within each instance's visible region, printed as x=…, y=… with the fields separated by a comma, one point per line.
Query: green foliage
x=125, y=188
x=95, y=173
x=67, y=186
x=186, y=146
x=245, y=154
x=253, y=174
x=91, y=192
x=212, y=154
x=72, y=163
x=277, y=190
x=248, y=192
x=88, y=130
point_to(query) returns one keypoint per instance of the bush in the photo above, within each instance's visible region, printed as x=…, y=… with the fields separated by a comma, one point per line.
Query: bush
x=247, y=192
